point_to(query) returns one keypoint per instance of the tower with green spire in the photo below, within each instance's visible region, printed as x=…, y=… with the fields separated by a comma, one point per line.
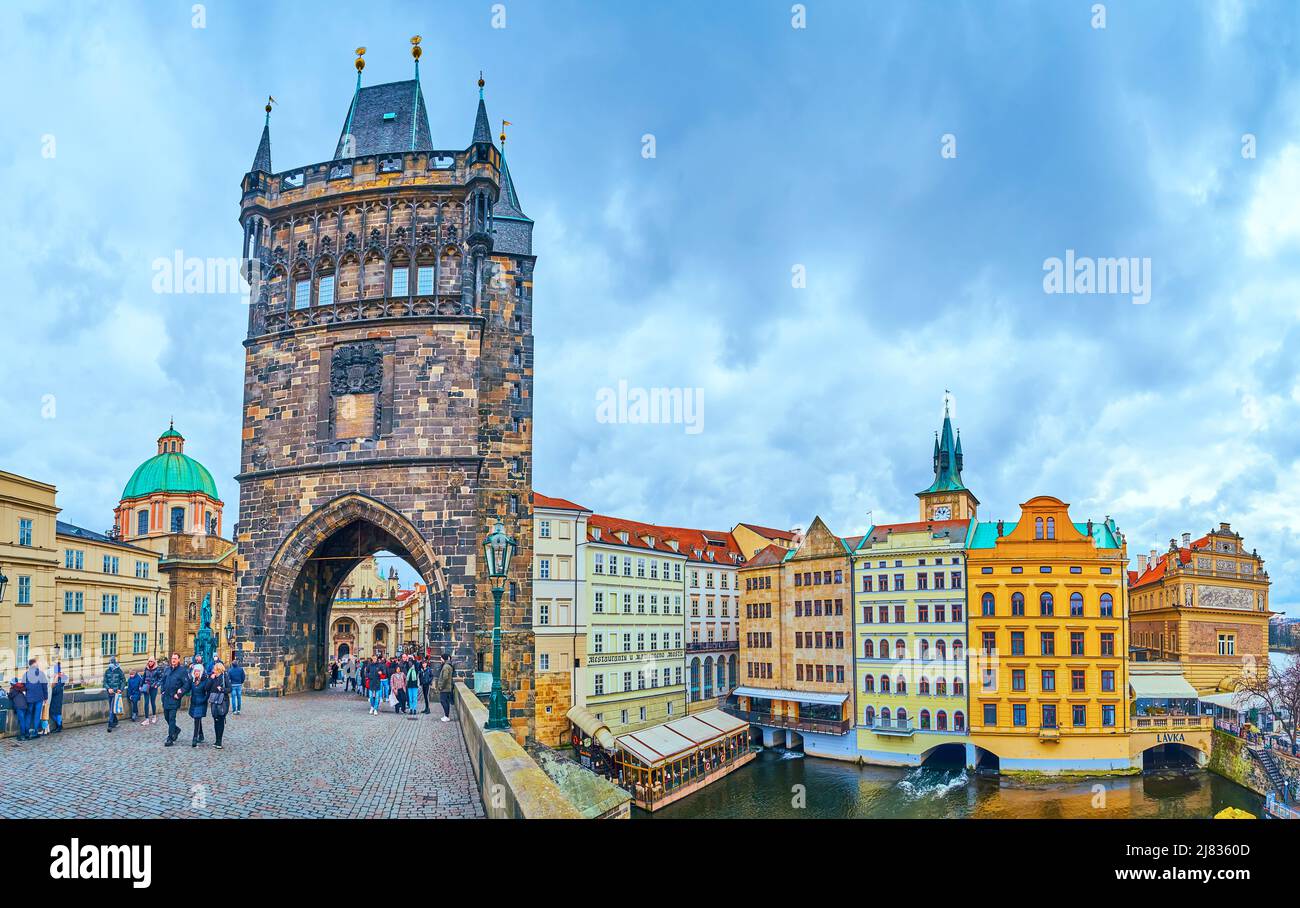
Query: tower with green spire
x=947, y=498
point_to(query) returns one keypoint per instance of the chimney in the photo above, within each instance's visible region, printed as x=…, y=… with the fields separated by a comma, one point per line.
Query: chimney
x=1153, y=558
x=1187, y=540
x=797, y=532
x=1225, y=527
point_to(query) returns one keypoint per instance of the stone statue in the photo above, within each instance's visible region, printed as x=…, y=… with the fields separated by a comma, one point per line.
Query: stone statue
x=205, y=641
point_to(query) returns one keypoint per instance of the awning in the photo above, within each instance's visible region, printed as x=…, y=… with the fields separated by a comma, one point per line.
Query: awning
x=662, y=743
x=1160, y=687
x=587, y=721
x=798, y=696
x=1234, y=701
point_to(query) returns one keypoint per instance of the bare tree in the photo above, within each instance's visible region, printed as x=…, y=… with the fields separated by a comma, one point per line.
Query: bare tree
x=1279, y=690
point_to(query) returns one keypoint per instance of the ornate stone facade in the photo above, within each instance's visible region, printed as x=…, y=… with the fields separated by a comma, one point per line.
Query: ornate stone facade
x=388, y=389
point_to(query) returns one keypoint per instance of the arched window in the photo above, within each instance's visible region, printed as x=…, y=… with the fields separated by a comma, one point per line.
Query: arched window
x=941, y=687
x=940, y=650
x=695, y=680
x=884, y=649
x=1046, y=604
x=1038, y=528
x=884, y=684
x=925, y=649
x=924, y=685
x=958, y=686
x=986, y=605
x=900, y=685
x=301, y=286
x=1051, y=527
x=722, y=675
x=178, y=520
x=325, y=282
x=868, y=649
x=708, y=677
x=869, y=684
x=941, y=721
x=959, y=721
x=869, y=716
x=925, y=719
x=1107, y=606
x=956, y=650
x=884, y=716
x=1076, y=604
x=902, y=716
x=900, y=649
x=1018, y=604
x=399, y=274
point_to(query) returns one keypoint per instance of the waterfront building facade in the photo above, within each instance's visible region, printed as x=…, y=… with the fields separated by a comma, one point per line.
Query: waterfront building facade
x=797, y=658
x=1047, y=602
x=712, y=615
x=910, y=660
x=636, y=632
x=1203, y=604
x=559, y=613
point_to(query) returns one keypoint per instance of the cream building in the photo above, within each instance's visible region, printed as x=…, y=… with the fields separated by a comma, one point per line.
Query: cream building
x=72, y=596
x=366, y=616
x=559, y=612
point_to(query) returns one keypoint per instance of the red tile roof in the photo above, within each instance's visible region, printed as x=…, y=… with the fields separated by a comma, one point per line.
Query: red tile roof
x=956, y=528
x=769, y=532
x=1154, y=572
x=560, y=504
x=765, y=557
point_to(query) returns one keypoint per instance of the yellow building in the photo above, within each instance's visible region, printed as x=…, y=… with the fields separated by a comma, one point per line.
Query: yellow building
x=796, y=636
x=1047, y=601
x=1204, y=605
x=73, y=597
x=750, y=538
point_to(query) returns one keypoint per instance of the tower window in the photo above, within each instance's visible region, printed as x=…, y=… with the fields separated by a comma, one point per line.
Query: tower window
x=424, y=280
x=400, y=281
x=178, y=520
x=326, y=295
x=301, y=294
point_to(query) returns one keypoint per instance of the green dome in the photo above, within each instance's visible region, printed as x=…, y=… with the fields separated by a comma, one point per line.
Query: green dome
x=171, y=472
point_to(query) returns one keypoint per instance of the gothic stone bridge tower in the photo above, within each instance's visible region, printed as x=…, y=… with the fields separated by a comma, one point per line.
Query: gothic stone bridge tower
x=387, y=388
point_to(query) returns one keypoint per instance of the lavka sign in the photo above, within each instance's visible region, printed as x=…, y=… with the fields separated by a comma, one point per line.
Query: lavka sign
x=103, y=862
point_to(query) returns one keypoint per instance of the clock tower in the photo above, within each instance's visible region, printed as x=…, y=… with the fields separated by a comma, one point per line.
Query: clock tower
x=947, y=498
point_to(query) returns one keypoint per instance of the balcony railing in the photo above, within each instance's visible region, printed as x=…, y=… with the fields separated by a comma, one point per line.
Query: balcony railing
x=890, y=726
x=1151, y=723
x=823, y=726
x=712, y=646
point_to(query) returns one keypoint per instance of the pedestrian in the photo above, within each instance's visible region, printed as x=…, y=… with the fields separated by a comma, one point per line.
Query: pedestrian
x=219, y=699
x=56, y=703
x=134, y=689
x=334, y=673
x=236, y=673
x=114, y=683
x=445, y=687
x=426, y=680
x=374, y=686
x=36, y=686
x=175, y=684
x=399, y=689
x=385, y=680
x=412, y=686
x=18, y=701
x=152, y=681
x=200, y=688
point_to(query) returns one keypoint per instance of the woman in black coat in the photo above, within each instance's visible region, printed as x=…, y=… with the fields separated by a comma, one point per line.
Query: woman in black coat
x=199, y=688
x=56, y=703
x=219, y=699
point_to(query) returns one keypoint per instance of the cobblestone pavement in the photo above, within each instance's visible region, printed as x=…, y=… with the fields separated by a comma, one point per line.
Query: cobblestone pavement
x=309, y=755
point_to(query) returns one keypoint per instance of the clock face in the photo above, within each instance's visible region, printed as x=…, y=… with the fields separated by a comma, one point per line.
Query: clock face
x=942, y=512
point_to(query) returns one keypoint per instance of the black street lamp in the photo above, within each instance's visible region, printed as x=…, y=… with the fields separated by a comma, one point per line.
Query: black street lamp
x=230, y=638
x=498, y=548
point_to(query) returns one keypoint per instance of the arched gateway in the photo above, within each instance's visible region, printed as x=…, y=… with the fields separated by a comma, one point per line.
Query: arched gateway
x=387, y=391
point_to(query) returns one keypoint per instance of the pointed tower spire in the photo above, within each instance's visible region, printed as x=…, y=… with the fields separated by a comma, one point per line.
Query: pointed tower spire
x=262, y=160
x=482, y=131
x=947, y=498
x=415, y=106
x=347, y=145
x=508, y=203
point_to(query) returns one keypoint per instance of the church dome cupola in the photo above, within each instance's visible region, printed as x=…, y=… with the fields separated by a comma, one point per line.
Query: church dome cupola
x=169, y=492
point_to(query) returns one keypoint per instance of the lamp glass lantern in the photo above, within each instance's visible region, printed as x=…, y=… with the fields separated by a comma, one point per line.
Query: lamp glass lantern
x=498, y=548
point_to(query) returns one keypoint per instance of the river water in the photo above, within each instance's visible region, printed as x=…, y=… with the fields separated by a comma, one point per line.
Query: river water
x=780, y=784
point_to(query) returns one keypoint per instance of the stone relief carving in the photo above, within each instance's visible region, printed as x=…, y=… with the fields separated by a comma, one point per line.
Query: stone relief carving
x=356, y=369
x=1224, y=597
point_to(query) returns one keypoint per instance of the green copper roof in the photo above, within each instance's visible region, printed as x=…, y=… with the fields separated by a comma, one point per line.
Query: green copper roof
x=985, y=534
x=173, y=472
x=947, y=461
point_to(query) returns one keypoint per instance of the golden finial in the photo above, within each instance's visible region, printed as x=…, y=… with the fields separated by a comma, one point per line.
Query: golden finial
x=415, y=47
x=481, y=83
x=269, y=101
x=504, y=124
x=361, y=62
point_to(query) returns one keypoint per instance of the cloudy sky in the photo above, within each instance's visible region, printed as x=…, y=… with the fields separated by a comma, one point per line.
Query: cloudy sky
x=917, y=163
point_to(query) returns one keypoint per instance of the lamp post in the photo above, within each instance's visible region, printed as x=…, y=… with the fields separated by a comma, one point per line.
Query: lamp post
x=498, y=549
x=230, y=638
